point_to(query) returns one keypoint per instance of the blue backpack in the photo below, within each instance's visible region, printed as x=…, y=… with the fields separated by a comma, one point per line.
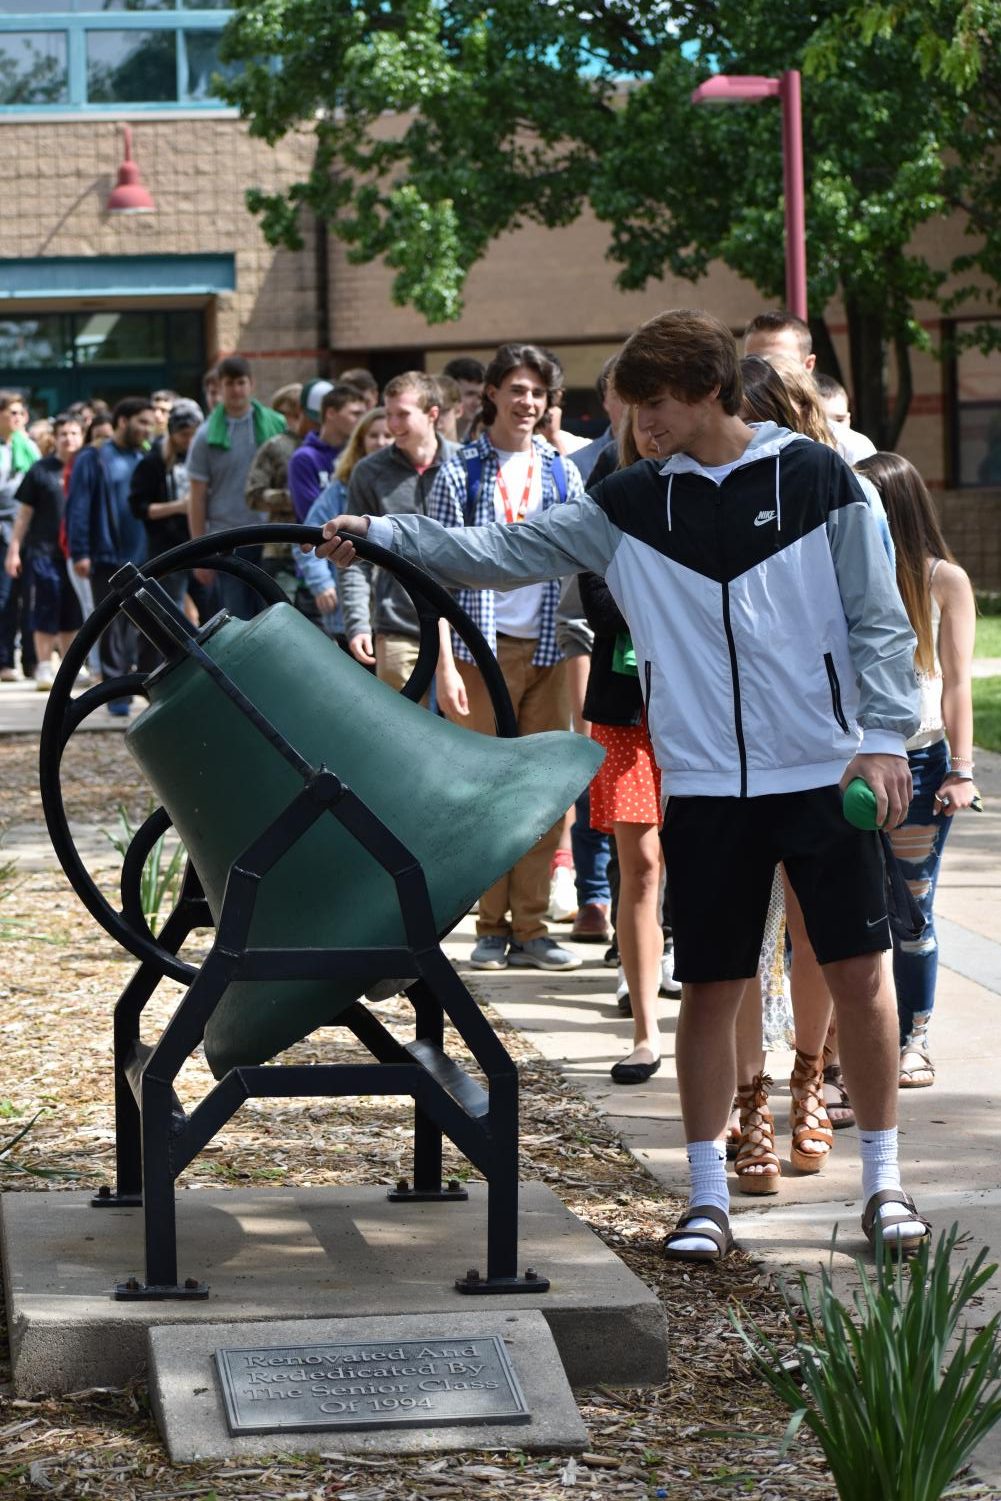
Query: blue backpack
x=473, y=461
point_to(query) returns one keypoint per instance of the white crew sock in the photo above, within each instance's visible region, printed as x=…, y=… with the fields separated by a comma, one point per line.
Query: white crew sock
x=707, y=1172
x=880, y=1169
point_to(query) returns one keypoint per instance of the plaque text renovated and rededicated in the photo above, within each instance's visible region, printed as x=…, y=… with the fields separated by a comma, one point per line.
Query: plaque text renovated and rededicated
x=410, y=1382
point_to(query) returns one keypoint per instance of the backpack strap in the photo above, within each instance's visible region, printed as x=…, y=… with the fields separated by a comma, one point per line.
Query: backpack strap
x=473, y=462
x=560, y=476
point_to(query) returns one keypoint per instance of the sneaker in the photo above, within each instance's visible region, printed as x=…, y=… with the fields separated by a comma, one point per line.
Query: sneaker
x=9, y=675
x=490, y=952
x=562, y=894
x=591, y=923
x=668, y=984
x=543, y=953
x=610, y=959
x=84, y=678
x=622, y=994
x=45, y=676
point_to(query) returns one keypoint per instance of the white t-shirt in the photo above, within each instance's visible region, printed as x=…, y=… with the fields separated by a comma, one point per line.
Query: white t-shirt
x=718, y=472
x=518, y=612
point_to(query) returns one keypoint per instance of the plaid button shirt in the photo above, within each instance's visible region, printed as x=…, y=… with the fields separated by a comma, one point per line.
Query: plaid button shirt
x=451, y=503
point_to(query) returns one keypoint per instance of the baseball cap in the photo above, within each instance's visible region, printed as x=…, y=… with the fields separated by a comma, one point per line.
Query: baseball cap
x=184, y=414
x=313, y=393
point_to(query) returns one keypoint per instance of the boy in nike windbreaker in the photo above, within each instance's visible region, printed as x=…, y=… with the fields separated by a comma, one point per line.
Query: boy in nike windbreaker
x=777, y=663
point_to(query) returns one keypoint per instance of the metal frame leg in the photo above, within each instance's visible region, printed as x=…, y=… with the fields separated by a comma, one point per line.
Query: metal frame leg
x=128, y=1121
x=429, y=1019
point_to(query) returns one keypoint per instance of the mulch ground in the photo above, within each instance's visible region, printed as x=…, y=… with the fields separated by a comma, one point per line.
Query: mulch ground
x=711, y=1431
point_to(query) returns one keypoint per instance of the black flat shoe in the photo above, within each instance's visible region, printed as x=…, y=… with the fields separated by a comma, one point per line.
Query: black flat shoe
x=634, y=1073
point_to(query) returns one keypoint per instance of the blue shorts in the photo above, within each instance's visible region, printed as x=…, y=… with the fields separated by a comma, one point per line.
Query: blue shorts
x=52, y=603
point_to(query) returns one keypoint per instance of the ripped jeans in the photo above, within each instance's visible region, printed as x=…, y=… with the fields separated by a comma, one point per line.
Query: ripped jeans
x=918, y=844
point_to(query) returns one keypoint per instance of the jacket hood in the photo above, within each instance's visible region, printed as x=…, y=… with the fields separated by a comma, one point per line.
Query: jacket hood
x=767, y=440
x=313, y=440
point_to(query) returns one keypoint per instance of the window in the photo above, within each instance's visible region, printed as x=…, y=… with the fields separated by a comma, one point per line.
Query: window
x=25, y=342
x=33, y=68
x=978, y=418
x=131, y=67
x=119, y=338
x=101, y=54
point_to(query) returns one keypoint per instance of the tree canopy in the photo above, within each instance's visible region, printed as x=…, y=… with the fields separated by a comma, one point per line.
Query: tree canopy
x=504, y=113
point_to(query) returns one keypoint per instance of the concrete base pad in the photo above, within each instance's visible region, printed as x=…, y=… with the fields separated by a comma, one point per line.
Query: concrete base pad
x=187, y=1398
x=305, y=1253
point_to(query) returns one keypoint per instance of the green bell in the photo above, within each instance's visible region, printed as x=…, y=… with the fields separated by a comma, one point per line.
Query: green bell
x=467, y=806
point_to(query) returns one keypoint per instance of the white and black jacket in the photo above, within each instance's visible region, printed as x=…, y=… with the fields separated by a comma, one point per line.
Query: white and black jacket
x=771, y=638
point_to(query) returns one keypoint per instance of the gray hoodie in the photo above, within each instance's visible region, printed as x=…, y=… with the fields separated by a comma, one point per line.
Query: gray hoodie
x=385, y=484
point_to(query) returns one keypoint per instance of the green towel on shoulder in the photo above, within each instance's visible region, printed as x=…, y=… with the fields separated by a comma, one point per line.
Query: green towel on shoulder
x=267, y=424
x=23, y=452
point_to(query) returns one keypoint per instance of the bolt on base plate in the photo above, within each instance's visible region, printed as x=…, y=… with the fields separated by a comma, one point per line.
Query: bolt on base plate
x=108, y=1198
x=403, y=1193
x=473, y=1283
x=134, y=1291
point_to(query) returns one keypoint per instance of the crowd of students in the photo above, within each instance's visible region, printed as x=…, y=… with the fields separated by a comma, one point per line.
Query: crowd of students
x=584, y=634
x=752, y=654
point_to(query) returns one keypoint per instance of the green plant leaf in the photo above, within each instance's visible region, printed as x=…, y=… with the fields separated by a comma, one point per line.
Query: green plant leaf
x=897, y=1394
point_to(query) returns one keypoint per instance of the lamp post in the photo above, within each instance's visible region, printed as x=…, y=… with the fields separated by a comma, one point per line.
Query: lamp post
x=726, y=88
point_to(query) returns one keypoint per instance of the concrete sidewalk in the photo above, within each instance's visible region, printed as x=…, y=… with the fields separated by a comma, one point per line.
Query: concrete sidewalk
x=22, y=708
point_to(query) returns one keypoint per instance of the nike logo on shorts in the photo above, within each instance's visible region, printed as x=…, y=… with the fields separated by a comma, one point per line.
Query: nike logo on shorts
x=875, y=922
x=763, y=517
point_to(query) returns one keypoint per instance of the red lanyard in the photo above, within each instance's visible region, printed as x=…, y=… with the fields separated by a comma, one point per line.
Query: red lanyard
x=526, y=495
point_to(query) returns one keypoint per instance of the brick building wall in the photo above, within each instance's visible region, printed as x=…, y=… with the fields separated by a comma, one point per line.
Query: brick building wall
x=198, y=170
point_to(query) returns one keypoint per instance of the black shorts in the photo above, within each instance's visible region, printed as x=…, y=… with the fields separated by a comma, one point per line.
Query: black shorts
x=721, y=854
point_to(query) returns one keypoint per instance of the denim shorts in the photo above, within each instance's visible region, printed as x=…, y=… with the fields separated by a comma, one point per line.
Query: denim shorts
x=52, y=604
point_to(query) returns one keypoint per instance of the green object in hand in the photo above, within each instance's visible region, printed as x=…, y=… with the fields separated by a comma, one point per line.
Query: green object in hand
x=859, y=805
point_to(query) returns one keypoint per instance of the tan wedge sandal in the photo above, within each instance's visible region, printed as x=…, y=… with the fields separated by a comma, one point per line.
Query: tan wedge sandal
x=808, y=1118
x=757, y=1166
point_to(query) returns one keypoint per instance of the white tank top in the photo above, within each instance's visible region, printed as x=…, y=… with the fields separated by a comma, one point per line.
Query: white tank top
x=931, y=727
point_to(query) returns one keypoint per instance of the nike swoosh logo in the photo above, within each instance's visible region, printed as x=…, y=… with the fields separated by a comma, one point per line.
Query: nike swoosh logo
x=763, y=520
x=875, y=922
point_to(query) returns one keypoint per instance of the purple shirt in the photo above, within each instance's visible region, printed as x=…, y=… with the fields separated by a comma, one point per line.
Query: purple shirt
x=310, y=471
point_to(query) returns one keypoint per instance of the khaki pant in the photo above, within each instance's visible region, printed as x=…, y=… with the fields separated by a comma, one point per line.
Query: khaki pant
x=541, y=702
x=395, y=660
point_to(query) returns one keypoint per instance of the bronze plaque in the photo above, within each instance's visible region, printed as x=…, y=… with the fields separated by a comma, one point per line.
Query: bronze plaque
x=384, y=1383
